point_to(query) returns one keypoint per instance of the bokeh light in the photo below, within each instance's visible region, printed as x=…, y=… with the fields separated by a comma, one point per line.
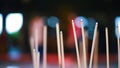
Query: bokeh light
x=14, y=22
x=117, y=23
x=52, y=21
x=12, y=67
x=1, y=24
x=78, y=20
x=91, y=26
x=14, y=53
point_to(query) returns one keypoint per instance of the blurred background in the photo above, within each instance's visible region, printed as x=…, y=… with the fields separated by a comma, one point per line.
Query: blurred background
x=19, y=19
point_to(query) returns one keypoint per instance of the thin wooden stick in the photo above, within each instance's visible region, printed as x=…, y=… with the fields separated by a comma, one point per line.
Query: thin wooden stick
x=84, y=47
x=81, y=53
x=58, y=45
x=118, y=52
x=95, y=60
x=38, y=59
x=118, y=44
x=36, y=50
x=62, y=49
x=45, y=47
x=76, y=45
x=36, y=40
x=34, y=58
x=31, y=43
x=107, y=46
x=33, y=52
x=93, y=45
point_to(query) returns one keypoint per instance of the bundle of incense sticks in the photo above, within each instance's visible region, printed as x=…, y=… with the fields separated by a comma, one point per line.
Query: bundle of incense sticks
x=36, y=56
x=60, y=47
x=34, y=49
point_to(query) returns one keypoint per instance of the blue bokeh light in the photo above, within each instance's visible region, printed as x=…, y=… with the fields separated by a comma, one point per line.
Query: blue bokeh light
x=14, y=53
x=117, y=23
x=91, y=26
x=1, y=23
x=12, y=67
x=78, y=21
x=52, y=21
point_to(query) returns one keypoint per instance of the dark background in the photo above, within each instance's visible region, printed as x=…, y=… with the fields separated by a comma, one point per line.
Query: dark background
x=104, y=11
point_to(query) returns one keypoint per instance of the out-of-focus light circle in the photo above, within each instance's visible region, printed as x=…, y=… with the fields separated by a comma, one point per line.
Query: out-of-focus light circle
x=1, y=23
x=14, y=22
x=52, y=21
x=12, y=67
x=117, y=24
x=14, y=53
x=91, y=26
x=78, y=21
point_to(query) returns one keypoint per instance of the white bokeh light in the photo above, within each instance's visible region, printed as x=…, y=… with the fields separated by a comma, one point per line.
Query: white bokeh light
x=14, y=22
x=1, y=23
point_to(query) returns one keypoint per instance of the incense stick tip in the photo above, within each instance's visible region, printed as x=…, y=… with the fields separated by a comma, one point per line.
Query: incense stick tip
x=72, y=21
x=96, y=23
x=106, y=27
x=57, y=24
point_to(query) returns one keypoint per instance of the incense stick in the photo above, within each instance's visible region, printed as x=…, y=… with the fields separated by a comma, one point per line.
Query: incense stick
x=32, y=49
x=84, y=48
x=34, y=58
x=93, y=45
x=76, y=45
x=31, y=43
x=118, y=52
x=62, y=49
x=95, y=60
x=107, y=46
x=36, y=40
x=38, y=59
x=118, y=44
x=36, y=49
x=45, y=47
x=58, y=44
